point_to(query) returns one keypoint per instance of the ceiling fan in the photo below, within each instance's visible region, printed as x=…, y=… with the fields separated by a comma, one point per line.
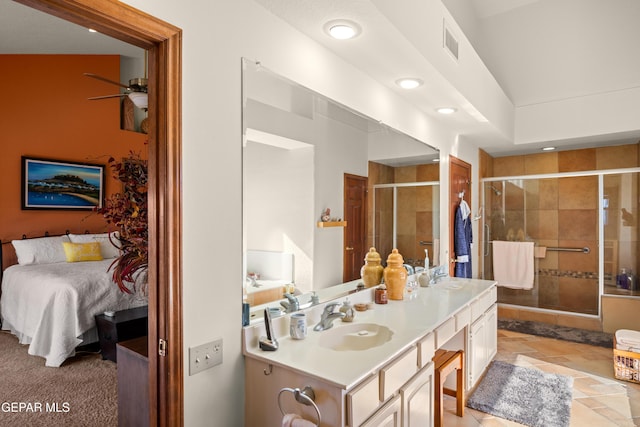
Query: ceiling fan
x=136, y=90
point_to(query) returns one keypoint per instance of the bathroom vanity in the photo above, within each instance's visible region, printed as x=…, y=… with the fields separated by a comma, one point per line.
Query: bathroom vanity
x=360, y=374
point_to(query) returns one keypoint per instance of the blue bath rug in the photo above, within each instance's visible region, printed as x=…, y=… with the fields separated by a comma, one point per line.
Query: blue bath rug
x=524, y=395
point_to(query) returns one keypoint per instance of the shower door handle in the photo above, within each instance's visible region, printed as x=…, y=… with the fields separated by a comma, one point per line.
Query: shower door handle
x=487, y=239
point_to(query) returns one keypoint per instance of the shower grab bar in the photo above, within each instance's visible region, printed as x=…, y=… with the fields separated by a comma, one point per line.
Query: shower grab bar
x=487, y=239
x=584, y=250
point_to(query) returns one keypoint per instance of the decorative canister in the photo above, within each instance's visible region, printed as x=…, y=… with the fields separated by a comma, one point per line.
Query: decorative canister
x=371, y=271
x=395, y=275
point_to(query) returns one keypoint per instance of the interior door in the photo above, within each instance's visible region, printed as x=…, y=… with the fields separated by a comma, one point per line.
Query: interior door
x=163, y=42
x=355, y=233
x=459, y=186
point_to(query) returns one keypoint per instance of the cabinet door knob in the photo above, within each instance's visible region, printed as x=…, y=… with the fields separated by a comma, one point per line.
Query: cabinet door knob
x=349, y=248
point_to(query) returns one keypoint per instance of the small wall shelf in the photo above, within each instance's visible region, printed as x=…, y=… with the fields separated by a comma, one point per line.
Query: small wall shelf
x=322, y=224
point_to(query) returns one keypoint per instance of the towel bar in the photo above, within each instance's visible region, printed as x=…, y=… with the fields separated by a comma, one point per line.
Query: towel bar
x=305, y=396
x=584, y=250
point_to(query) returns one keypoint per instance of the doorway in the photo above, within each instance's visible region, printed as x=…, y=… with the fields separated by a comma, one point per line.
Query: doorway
x=459, y=188
x=355, y=232
x=163, y=42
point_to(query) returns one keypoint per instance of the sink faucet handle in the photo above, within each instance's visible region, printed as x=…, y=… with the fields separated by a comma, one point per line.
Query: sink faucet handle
x=329, y=308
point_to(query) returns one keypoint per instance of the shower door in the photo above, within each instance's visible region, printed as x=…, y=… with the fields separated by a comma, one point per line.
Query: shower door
x=560, y=215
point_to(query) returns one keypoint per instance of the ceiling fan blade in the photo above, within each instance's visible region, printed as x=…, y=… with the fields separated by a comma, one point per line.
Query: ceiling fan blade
x=107, y=96
x=95, y=76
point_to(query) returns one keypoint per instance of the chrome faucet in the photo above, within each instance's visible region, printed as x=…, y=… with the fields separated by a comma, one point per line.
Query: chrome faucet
x=292, y=304
x=328, y=316
x=437, y=273
x=410, y=269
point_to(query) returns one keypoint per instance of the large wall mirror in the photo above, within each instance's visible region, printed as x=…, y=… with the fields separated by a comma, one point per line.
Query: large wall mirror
x=303, y=154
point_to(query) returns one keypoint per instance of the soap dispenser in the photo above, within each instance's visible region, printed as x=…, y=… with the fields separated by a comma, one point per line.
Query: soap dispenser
x=371, y=271
x=348, y=310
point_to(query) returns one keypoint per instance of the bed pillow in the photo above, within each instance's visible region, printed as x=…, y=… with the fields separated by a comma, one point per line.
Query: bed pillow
x=42, y=250
x=107, y=248
x=78, y=252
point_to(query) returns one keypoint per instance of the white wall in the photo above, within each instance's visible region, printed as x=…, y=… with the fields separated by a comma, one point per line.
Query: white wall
x=216, y=35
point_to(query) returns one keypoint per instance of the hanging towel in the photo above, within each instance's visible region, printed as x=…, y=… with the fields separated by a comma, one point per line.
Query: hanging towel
x=435, y=252
x=513, y=264
x=295, y=420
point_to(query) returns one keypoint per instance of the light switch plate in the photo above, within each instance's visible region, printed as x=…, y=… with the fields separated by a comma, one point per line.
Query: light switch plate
x=205, y=356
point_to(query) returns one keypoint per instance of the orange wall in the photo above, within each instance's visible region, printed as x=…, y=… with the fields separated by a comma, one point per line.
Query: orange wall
x=45, y=113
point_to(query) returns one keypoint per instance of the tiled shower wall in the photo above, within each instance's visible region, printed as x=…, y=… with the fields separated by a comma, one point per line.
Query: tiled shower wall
x=559, y=212
x=415, y=218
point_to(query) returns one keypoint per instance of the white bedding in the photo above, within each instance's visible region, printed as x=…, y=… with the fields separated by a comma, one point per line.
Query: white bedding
x=50, y=306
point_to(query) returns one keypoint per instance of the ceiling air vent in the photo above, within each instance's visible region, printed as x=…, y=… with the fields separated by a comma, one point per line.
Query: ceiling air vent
x=449, y=42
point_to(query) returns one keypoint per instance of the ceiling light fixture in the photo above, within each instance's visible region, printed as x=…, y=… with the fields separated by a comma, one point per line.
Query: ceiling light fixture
x=409, y=83
x=446, y=110
x=548, y=148
x=91, y=30
x=342, y=29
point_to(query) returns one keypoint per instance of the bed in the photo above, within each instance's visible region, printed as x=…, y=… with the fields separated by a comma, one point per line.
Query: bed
x=49, y=299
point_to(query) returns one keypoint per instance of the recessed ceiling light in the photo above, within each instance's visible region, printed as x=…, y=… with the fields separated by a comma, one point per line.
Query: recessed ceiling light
x=548, y=148
x=446, y=110
x=342, y=29
x=91, y=30
x=409, y=83
x=436, y=160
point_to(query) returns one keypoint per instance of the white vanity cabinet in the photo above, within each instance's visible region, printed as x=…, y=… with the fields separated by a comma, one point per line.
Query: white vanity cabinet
x=417, y=399
x=387, y=385
x=482, y=338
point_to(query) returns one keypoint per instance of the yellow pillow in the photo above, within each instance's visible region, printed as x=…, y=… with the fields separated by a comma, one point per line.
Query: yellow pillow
x=82, y=251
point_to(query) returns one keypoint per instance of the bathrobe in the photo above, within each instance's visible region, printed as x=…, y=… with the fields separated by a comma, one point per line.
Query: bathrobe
x=462, y=236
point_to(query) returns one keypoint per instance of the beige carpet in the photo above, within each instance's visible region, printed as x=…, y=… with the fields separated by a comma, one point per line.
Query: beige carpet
x=82, y=392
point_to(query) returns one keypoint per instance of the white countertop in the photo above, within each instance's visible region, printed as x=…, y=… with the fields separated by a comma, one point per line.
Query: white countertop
x=410, y=319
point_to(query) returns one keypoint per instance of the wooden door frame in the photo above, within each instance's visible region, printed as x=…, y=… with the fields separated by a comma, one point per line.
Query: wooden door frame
x=452, y=213
x=164, y=44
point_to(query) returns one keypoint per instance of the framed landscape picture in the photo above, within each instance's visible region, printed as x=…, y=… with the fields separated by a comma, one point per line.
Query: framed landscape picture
x=54, y=184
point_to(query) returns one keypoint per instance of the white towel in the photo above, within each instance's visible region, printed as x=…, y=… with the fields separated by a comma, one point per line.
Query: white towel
x=295, y=420
x=628, y=340
x=513, y=264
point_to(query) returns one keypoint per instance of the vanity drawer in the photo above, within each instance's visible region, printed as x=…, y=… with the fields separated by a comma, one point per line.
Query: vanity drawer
x=363, y=401
x=445, y=331
x=483, y=303
x=463, y=318
x=426, y=350
x=397, y=373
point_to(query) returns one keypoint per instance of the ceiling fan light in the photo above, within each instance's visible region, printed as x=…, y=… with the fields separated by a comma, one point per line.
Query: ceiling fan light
x=139, y=99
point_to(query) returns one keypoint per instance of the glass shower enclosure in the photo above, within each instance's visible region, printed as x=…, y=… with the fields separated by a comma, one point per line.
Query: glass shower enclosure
x=585, y=232
x=407, y=217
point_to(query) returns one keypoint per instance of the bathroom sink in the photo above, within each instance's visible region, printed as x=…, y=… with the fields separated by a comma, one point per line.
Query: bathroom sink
x=355, y=337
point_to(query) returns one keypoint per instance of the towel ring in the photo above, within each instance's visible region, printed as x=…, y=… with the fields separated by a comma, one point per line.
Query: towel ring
x=305, y=396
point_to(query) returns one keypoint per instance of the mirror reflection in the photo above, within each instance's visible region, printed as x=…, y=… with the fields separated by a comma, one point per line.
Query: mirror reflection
x=321, y=184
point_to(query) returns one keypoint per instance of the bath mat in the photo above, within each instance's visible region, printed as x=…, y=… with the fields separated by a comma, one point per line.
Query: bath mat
x=583, y=336
x=524, y=395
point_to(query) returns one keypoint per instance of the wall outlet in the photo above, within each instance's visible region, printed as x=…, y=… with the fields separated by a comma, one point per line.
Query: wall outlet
x=205, y=356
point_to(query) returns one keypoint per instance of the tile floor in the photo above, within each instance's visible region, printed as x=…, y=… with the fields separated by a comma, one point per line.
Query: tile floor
x=599, y=400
